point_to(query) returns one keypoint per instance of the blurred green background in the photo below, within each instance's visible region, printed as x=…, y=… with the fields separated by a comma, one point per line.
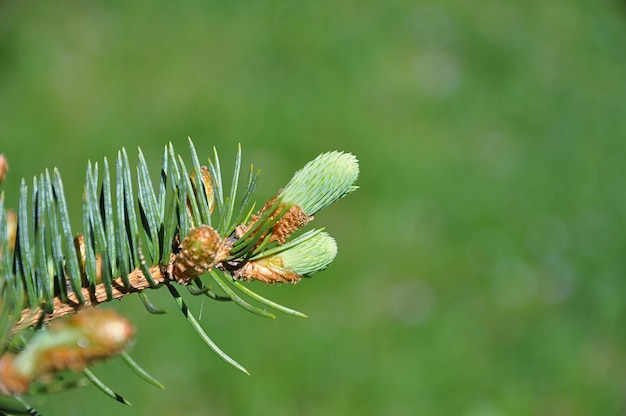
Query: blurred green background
x=481, y=268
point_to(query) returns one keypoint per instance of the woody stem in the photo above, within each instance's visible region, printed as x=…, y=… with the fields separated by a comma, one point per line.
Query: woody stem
x=138, y=283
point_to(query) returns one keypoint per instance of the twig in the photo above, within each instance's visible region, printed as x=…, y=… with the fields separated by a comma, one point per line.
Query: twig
x=138, y=283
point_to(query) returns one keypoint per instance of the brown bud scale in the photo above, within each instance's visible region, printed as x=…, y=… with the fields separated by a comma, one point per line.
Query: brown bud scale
x=294, y=219
x=268, y=273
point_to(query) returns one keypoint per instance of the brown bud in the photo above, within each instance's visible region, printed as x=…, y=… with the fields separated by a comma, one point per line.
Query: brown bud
x=4, y=167
x=12, y=228
x=10, y=381
x=103, y=333
x=199, y=251
x=79, y=245
x=69, y=344
x=208, y=187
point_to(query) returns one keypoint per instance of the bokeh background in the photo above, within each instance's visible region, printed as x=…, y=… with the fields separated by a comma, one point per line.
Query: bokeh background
x=481, y=268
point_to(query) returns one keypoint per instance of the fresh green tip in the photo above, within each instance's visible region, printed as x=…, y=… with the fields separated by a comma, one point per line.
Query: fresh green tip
x=310, y=253
x=322, y=181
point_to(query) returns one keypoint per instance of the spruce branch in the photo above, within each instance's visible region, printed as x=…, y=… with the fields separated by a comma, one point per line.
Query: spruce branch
x=137, y=237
